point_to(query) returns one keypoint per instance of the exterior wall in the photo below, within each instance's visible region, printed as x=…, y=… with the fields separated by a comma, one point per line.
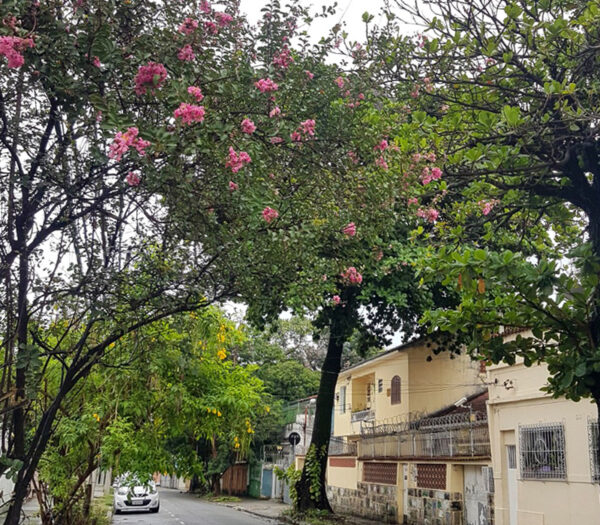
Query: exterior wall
x=515, y=399
x=441, y=381
x=368, y=500
x=342, y=472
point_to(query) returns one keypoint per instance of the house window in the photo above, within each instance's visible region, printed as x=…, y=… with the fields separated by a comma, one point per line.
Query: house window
x=381, y=473
x=396, y=396
x=342, y=399
x=593, y=446
x=431, y=476
x=380, y=385
x=542, y=451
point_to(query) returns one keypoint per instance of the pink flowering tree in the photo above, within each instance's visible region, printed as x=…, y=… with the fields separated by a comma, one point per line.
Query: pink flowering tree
x=160, y=157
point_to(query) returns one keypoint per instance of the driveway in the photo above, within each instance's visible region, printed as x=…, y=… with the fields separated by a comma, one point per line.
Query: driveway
x=186, y=509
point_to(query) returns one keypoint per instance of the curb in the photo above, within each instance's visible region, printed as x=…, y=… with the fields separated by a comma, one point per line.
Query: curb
x=254, y=513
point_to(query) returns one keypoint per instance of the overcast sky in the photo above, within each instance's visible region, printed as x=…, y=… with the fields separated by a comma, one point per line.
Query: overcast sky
x=348, y=11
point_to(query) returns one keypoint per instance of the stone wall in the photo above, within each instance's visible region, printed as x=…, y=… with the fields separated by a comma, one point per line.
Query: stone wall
x=369, y=500
x=435, y=507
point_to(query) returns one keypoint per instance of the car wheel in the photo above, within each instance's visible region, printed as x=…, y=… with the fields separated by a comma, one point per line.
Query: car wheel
x=155, y=510
x=117, y=511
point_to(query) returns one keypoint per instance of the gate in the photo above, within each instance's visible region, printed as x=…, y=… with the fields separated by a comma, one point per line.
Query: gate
x=266, y=488
x=254, y=485
x=235, y=479
x=479, y=494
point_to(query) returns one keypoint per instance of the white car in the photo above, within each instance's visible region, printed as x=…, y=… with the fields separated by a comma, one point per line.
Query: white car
x=134, y=496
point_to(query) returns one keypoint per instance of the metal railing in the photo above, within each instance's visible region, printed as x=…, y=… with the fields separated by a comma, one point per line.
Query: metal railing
x=455, y=435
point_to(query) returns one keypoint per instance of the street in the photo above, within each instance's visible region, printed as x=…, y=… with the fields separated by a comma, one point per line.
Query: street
x=184, y=509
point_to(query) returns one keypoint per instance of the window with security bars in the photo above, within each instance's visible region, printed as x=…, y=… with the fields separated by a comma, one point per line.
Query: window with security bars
x=542, y=451
x=593, y=446
x=382, y=473
x=431, y=476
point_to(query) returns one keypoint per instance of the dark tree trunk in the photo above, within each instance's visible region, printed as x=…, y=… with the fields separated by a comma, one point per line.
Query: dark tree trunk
x=312, y=488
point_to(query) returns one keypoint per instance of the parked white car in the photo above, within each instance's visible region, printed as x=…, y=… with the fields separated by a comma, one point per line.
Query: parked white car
x=134, y=496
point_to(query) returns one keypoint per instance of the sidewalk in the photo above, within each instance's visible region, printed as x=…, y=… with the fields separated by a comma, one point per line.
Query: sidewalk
x=266, y=508
x=272, y=509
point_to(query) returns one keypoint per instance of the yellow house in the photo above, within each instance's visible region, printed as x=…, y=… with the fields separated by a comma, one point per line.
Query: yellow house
x=545, y=461
x=418, y=425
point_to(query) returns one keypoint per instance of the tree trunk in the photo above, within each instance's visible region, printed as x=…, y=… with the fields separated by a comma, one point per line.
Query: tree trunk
x=312, y=488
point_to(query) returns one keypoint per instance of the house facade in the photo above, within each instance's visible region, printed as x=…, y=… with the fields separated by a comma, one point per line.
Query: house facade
x=418, y=423
x=544, y=451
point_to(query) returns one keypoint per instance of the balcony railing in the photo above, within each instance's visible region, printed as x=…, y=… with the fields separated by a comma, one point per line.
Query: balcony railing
x=362, y=415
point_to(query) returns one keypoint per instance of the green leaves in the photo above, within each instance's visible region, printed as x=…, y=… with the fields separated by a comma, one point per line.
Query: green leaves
x=511, y=115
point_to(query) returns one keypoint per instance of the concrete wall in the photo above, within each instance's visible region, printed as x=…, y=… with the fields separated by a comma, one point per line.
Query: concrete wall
x=342, y=472
x=441, y=381
x=515, y=399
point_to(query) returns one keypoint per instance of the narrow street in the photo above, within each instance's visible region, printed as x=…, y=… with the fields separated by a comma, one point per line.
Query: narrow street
x=184, y=509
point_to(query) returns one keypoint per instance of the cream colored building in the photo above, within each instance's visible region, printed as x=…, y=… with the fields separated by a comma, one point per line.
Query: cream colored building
x=417, y=423
x=543, y=454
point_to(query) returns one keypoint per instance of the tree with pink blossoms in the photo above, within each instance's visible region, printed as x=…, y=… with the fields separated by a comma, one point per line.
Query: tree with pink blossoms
x=132, y=192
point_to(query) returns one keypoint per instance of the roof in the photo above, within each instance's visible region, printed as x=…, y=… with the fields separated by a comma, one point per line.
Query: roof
x=475, y=402
x=385, y=353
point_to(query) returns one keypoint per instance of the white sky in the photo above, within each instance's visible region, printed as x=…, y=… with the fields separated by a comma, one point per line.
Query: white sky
x=348, y=11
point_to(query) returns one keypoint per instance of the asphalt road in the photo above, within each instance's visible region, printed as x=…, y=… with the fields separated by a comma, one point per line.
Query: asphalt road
x=185, y=509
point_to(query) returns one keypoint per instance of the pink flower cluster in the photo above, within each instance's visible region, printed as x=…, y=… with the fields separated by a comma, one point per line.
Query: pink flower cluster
x=133, y=179
x=233, y=186
x=353, y=157
x=186, y=53
x=205, y=7
x=11, y=47
x=189, y=113
x=150, y=77
x=427, y=175
x=305, y=129
x=350, y=229
x=211, y=27
x=336, y=299
x=275, y=112
x=123, y=141
x=269, y=214
x=382, y=146
x=339, y=81
x=351, y=275
x=380, y=162
x=223, y=19
x=266, y=85
x=248, y=126
x=237, y=161
x=275, y=140
x=309, y=74
x=430, y=214
x=189, y=26
x=284, y=58
x=196, y=92
x=487, y=206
